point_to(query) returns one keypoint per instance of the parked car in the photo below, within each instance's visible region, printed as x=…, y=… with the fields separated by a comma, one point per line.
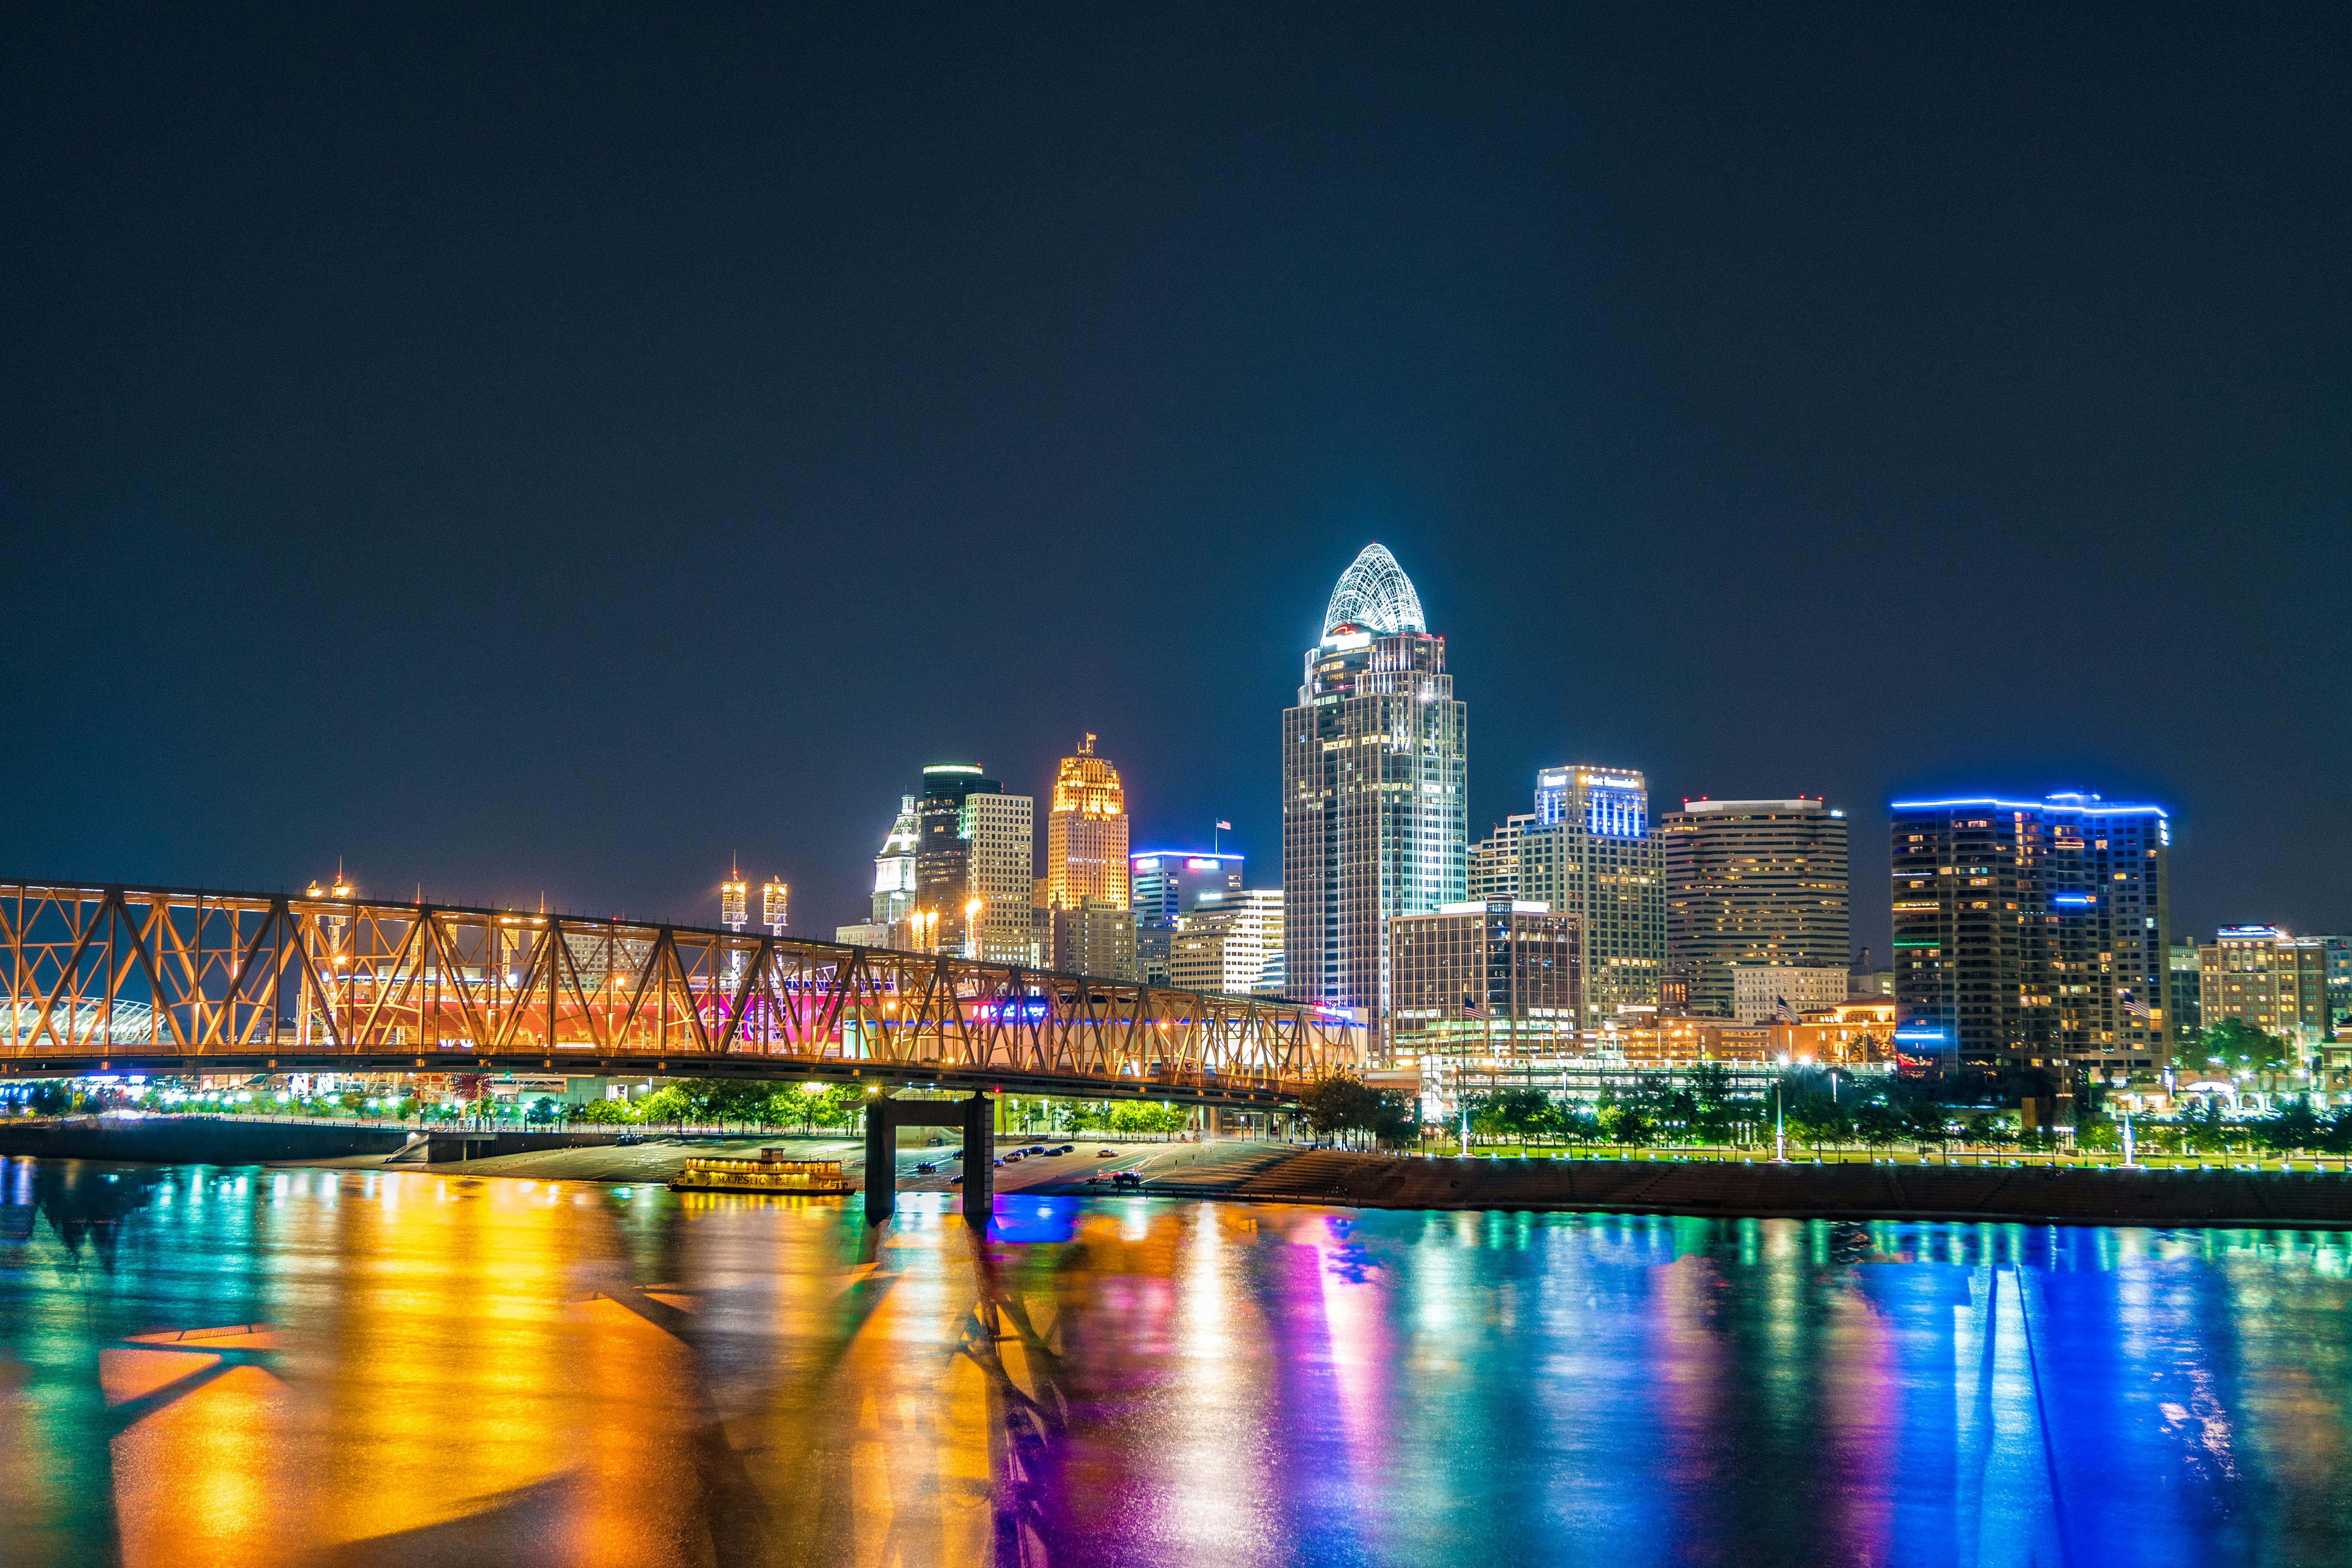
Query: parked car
x=955, y=1180
x=1067, y=1149
x=927, y=1168
x=1125, y=1179
x=1106, y=1154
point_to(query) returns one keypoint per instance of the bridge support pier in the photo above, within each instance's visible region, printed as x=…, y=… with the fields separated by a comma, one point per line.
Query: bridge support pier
x=975, y=1117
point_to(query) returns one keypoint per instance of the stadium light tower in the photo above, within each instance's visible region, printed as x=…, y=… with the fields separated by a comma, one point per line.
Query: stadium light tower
x=772, y=895
x=733, y=898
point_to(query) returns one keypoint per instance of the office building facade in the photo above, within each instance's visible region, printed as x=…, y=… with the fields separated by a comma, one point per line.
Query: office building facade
x=1753, y=883
x=1494, y=873
x=1375, y=781
x=1097, y=938
x=1230, y=942
x=1085, y=833
x=1001, y=831
x=1484, y=981
x=1590, y=853
x=974, y=879
x=1782, y=993
x=1164, y=885
x=943, y=855
x=2267, y=977
x=2033, y=934
x=2186, y=997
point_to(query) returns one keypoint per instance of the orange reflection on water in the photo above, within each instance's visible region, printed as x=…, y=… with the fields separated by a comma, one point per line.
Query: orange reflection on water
x=203, y=1480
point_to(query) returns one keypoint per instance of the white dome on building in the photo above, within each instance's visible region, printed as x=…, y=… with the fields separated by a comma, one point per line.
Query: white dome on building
x=1374, y=596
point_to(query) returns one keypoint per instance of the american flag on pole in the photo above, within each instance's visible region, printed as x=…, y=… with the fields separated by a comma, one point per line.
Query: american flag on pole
x=1782, y=1012
x=1226, y=826
x=2132, y=1005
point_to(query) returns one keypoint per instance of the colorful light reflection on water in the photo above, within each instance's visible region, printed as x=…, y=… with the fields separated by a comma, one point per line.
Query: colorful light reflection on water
x=254, y=1366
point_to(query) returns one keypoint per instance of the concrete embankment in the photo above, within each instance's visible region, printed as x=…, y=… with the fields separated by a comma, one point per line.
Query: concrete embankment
x=231, y=1141
x=2030, y=1194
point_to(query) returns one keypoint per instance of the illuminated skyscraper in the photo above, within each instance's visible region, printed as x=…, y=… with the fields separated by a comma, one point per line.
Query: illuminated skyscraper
x=1756, y=884
x=894, y=869
x=972, y=854
x=1085, y=833
x=1001, y=830
x=2033, y=934
x=1590, y=853
x=1375, y=779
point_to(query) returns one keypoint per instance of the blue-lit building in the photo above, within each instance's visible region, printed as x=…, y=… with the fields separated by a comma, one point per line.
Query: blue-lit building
x=1166, y=884
x=1593, y=853
x=2033, y=934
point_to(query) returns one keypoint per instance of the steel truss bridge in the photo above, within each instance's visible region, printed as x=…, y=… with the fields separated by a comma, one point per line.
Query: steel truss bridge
x=102, y=977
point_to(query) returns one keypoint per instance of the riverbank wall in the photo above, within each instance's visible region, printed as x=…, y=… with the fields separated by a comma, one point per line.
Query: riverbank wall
x=232, y=1141
x=2032, y=1194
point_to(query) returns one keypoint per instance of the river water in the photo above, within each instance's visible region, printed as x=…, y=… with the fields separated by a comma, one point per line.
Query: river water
x=247, y=1366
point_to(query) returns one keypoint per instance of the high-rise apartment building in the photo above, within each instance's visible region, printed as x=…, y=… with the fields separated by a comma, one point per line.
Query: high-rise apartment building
x=1085, y=833
x=1590, y=853
x=2033, y=934
x=1230, y=942
x=1163, y=885
x=1375, y=781
x=2269, y=978
x=1754, y=883
x=1494, y=862
x=1484, y=981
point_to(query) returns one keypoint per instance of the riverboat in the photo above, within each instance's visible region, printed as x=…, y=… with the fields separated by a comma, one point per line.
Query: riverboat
x=771, y=1172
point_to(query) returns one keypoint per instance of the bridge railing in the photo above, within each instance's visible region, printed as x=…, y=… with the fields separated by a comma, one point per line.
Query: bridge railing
x=182, y=972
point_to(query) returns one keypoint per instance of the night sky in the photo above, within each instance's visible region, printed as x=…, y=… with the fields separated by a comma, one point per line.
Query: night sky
x=550, y=452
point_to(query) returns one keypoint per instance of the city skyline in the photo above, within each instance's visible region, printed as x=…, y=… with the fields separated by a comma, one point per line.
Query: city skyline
x=736, y=521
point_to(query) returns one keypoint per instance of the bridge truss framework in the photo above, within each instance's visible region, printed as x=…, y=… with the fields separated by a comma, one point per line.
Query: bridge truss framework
x=109, y=977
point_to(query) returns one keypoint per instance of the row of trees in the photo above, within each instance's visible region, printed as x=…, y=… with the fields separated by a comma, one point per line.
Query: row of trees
x=1349, y=1108
x=838, y=1107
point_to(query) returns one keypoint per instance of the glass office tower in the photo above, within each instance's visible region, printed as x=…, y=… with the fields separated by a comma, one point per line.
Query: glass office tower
x=1375, y=776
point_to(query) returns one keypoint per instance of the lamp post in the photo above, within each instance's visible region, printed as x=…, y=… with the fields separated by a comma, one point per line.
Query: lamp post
x=1779, y=1132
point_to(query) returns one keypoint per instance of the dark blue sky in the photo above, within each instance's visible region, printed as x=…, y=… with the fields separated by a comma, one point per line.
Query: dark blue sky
x=550, y=453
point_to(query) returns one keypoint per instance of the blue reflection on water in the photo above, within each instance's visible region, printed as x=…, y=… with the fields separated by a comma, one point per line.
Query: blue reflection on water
x=1023, y=1220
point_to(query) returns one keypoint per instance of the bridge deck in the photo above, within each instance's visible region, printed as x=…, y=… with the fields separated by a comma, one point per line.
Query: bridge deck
x=183, y=980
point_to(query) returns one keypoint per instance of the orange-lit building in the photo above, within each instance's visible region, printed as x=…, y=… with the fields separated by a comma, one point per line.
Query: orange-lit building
x=1855, y=1033
x=1085, y=834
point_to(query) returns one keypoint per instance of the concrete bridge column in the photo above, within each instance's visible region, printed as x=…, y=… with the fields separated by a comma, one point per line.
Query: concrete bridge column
x=974, y=1117
x=979, y=1162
